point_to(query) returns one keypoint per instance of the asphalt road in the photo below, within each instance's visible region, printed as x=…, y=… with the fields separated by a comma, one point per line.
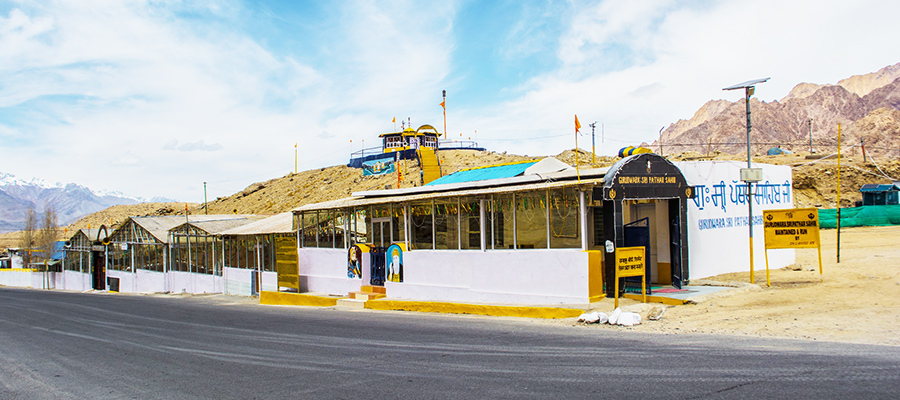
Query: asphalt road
x=89, y=345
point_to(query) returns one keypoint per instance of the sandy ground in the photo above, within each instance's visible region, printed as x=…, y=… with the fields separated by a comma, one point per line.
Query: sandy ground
x=856, y=300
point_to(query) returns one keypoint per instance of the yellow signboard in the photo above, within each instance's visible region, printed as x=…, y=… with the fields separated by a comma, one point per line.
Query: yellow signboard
x=631, y=261
x=792, y=228
x=286, y=262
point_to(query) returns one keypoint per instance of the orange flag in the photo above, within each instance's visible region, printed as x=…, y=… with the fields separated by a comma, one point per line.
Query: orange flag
x=442, y=104
x=577, y=124
x=394, y=120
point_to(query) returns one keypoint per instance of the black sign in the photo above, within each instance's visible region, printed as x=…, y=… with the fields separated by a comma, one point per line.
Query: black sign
x=644, y=176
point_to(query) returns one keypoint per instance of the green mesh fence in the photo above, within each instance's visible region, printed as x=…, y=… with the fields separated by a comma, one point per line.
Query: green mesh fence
x=860, y=216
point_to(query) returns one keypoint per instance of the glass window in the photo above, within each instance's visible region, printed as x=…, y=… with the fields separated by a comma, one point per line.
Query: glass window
x=470, y=223
x=398, y=230
x=358, y=225
x=340, y=222
x=446, y=224
x=380, y=224
x=531, y=220
x=421, y=225
x=309, y=222
x=502, y=221
x=565, y=222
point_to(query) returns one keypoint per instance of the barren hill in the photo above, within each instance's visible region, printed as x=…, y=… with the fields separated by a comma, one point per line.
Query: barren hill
x=814, y=183
x=865, y=105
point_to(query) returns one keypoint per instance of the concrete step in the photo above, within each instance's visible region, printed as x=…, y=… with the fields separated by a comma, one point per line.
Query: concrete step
x=351, y=303
x=366, y=295
x=373, y=289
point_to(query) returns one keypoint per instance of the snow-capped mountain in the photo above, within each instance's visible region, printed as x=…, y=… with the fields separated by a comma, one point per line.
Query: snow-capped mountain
x=72, y=201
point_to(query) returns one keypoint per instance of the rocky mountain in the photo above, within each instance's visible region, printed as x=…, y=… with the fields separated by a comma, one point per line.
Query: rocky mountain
x=71, y=201
x=866, y=106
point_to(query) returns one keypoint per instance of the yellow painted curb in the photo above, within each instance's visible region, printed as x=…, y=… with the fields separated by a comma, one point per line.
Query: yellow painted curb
x=655, y=299
x=295, y=299
x=477, y=309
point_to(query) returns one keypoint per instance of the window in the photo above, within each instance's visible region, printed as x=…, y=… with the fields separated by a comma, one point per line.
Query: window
x=421, y=225
x=470, y=223
x=446, y=224
x=531, y=220
x=502, y=208
x=565, y=222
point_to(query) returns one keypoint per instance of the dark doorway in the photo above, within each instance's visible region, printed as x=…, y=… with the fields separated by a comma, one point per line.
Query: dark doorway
x=675, y=242
x=98, y=270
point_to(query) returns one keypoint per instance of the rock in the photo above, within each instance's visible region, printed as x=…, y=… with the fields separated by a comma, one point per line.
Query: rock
x=656, y=313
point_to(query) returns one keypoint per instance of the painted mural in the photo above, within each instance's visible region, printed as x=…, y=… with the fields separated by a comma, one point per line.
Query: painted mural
x=394, y=261
x=354, y=262
x=378, y=167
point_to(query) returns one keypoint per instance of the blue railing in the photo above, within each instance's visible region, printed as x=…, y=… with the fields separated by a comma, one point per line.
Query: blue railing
x=377, y=153
x=371, y=151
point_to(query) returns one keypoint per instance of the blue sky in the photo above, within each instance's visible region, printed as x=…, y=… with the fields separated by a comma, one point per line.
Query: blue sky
x=152, y=98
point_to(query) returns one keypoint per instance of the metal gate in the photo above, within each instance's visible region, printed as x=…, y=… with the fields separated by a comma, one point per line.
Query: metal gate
x=377, y=270
x=637, y=234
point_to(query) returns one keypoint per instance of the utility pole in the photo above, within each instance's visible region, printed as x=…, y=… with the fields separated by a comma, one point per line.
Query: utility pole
x=749, y=175
x=660, y=140
x=593, y=143
x=862, y=144
x=810, y=136
x=205, y=203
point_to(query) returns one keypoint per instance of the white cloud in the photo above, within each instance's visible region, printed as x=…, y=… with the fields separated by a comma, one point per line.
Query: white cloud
x=162, y=103
x=638, y=66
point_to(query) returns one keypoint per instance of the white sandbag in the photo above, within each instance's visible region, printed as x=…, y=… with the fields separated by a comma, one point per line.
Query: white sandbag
x=629, y=319
x=593, y=318
x=589, y=318
x=603, y=318
x=614, y=317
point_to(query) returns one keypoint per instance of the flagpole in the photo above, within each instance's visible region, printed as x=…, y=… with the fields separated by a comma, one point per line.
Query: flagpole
x=295, y=158
x=444, y=106
x=577, y=171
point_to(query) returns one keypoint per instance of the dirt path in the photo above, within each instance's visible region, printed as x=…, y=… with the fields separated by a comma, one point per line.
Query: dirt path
x=856, y=301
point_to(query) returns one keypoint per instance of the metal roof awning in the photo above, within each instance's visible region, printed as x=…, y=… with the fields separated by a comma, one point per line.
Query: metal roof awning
x=356, y=201
x=278, y=223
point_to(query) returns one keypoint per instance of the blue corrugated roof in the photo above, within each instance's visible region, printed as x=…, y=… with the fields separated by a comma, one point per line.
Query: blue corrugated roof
x=481, y=174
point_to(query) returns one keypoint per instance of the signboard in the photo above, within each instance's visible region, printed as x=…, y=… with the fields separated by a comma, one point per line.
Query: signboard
x=645, y=176
x=631, y=261
x=792, y=228
x=379, y=167
x=286, y=263
x=717, y=217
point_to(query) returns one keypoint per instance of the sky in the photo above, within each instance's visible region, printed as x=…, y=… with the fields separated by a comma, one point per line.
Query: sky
x=154, y=98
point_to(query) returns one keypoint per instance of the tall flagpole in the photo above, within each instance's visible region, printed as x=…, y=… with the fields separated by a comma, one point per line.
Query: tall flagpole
x=577, y=127
x=295, y=158
x=444, y=106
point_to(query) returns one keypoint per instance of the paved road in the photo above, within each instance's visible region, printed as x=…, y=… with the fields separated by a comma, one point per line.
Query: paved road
x=86, y=345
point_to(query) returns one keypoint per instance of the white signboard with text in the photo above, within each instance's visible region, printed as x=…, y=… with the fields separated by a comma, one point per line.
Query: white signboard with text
x=718, y=235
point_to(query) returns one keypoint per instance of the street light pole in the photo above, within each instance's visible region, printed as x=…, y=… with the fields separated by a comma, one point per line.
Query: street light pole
x=749, y=175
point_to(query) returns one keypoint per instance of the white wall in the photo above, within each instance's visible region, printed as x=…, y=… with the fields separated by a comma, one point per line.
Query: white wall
x=186, y=282
x=15, y=277
x=238, y=281
x=718, y=234
x=74, y=280
x=126, y=280
x=150, y=281
x=270, y=281
x=554, y=276
x=37, y=281
x=325, y=271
